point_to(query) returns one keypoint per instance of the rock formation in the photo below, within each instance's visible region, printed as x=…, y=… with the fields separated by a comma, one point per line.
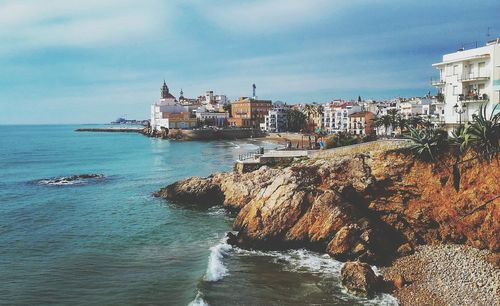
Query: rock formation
x=359, y=278
x=366, y=207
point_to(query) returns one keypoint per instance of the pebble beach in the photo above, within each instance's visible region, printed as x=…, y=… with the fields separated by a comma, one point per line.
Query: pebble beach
x=446, y=275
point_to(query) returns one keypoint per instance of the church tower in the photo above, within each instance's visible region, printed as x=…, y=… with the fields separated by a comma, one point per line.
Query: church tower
x=164, y=91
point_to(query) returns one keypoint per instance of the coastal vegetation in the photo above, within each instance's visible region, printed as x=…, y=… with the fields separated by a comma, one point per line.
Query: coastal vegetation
x=295, y=120
x=479, y=139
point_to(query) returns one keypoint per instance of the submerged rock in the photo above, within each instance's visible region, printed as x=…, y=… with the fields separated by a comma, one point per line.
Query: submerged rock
x=359, y=278
x=70, y=180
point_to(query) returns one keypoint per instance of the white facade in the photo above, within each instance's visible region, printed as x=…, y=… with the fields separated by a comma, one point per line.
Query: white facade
x=165, y=105
x=217, y=118
x=469, y=79
x=213, y=102
x=335, y=118
x=275, y=120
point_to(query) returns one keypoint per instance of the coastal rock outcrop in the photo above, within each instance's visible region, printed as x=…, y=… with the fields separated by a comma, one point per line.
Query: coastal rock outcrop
x=369, y=207
x=359, y=278
x=194, y=190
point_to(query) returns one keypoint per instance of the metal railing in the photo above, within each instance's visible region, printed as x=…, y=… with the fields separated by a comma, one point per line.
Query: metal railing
x=251, y=155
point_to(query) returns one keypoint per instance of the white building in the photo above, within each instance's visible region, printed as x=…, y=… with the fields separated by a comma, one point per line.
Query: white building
x=468, y=79
x=275, y=120
x=335, y=118
x=213, y=102
x=211, y=117
x=167, y=113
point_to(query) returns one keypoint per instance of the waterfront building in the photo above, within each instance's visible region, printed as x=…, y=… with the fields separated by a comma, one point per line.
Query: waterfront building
x=168, y=113
x=249, y=112
x=211, y=118
x=467, y=80
x=362, y=123
x=335, y=117
x=275, y=120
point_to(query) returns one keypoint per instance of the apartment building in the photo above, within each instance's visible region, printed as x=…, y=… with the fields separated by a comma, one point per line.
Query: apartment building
x=249, y=112
x=467, y=80
x=335, y=118
x=362, y=123
x=275, y=120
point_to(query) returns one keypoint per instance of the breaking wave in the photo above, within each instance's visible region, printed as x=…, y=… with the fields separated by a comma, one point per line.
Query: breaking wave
x=216, y=269
x=198, y=301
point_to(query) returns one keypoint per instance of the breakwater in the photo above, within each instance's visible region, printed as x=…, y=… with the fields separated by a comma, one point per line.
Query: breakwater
x=111, y=130
x=210, y=134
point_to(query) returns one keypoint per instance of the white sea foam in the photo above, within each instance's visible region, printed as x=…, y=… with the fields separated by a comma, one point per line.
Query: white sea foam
x=300, y=260
x=235, y=145
x=216, y=269
x=59, y=182
x=322, y=264
x=69, y=180
x=198, y=301
x=217, y=211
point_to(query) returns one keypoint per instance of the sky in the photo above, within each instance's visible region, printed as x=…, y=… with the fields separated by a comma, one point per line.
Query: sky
x=91, y=61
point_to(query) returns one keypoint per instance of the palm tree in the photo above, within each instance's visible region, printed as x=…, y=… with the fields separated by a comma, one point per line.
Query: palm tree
x=401, y=123
x=308, y=110
x=295, y=120
x=384, y=121
x=415, y=121
x=319, y=110
x=393, y=115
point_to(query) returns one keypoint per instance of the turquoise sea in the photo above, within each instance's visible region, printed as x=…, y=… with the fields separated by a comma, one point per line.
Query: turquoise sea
x=107, y=241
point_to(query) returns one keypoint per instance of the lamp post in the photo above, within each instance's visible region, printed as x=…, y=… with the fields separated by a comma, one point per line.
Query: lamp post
x=460, y=110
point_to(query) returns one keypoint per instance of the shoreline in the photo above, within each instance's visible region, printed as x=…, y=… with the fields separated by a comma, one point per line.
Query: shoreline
x=313, y=215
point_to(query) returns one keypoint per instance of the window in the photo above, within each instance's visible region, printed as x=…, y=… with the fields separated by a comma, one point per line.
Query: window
x=455, y=69
x=448, y=70
x=455, y=90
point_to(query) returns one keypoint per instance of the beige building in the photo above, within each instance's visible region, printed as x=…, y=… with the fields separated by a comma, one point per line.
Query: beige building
x=362, y=123
x=249, y=112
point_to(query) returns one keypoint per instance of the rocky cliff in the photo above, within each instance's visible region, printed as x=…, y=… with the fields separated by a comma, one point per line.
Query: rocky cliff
x=369, y=206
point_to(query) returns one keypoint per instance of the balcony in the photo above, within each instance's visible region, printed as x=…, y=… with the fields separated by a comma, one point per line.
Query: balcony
x=472, y=98
x=472, y=77
x=438, y=83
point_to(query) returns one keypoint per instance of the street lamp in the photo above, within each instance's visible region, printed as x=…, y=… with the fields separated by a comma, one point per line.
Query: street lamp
x=460, y=110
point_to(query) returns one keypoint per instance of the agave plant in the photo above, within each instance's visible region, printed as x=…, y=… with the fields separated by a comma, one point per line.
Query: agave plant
x=461, y=139
x=427, y=144
x=485, y=134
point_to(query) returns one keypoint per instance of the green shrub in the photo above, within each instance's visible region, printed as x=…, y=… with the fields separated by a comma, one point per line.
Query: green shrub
x=427, y=144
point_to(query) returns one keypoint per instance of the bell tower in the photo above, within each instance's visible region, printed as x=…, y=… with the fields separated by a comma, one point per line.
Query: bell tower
x=164, y=90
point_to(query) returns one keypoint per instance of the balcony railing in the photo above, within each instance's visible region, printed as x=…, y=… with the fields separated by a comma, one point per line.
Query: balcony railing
x=438, y=82
x=473, y=98
x=470, y=77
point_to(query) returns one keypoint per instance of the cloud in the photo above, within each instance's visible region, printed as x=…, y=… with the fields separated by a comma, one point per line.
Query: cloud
x=269, y=16
x=56, y=23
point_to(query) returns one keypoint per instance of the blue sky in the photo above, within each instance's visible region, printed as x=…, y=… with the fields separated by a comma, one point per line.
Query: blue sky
x=92, y=61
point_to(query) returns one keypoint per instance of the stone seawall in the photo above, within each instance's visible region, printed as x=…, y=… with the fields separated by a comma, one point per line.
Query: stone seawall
x=213, y=134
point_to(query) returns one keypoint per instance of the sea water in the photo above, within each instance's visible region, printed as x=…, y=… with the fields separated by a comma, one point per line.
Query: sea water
x=108, y=241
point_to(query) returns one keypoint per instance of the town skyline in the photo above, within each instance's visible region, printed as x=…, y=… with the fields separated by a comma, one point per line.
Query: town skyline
x=90, y=64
